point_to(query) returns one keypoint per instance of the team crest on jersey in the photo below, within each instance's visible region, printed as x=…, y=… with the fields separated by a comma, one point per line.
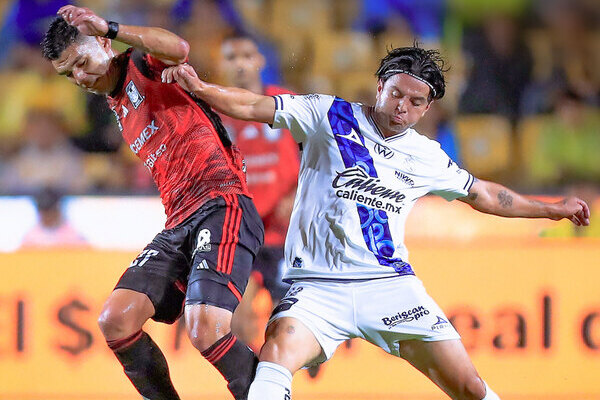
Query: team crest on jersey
x=203, y=243
x=134, y=94
x=409, y=163
x=297, y=263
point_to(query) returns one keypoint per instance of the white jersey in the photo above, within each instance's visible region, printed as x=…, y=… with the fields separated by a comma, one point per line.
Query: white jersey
x=356, y=188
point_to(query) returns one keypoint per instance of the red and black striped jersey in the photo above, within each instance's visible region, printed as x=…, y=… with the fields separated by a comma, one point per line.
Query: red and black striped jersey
x=180, y=140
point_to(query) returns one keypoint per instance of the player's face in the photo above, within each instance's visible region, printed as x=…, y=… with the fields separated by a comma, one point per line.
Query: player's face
x=242, y=62
x=86, y=63
x=401, y=102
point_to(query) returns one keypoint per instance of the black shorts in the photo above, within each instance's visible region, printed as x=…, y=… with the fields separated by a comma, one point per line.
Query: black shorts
x=206, y=259
x=268, y=269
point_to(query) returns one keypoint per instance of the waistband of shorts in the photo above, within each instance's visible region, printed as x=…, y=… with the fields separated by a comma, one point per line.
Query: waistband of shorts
x=334, y=280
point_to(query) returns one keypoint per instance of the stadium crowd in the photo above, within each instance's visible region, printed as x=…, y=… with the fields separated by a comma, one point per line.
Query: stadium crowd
x=522, y=105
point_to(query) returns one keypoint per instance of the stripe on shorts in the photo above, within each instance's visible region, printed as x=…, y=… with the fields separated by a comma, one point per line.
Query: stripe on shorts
x=230, y=234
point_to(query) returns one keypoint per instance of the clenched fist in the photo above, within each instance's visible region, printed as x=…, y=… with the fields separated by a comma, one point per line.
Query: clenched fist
x=85, y=20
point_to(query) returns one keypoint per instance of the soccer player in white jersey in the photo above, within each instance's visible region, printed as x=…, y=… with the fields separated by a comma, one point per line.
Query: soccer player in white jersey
x=362, y=170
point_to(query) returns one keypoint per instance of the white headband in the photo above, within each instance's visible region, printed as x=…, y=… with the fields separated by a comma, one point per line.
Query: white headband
x=401, y=71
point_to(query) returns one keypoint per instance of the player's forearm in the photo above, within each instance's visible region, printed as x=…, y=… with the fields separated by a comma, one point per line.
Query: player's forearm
x=496, y=199
x=159, y=42
x=234, y=102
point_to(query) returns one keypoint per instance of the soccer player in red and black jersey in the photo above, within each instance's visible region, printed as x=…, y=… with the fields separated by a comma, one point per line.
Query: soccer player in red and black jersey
x=201, y=262
x=273, y=161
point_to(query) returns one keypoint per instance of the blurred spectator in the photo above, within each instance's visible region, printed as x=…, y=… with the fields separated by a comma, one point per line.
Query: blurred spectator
x=423, y=18
x=204, y=27
x=437, y=125
x=46, y=157
x=499, y=68
x=569, y=145
x=571, y=56
x=32, y=82
x=25, y=23
x=205, y=24
x=52, y=230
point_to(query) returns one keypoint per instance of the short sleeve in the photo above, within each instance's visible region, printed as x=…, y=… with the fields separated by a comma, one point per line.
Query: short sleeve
x=301, y=114
x=452, y=181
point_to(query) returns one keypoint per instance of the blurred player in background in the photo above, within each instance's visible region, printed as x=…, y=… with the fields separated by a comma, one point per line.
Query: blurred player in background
x=362, y=170
x=52, y=229
x=213, y=232
x=272, y=162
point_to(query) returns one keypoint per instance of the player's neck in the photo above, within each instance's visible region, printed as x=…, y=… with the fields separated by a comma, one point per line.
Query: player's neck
x=114, y=74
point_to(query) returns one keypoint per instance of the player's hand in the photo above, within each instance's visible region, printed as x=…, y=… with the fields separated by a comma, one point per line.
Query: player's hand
x=184, y=75
x=85, y=20
x=573, y=209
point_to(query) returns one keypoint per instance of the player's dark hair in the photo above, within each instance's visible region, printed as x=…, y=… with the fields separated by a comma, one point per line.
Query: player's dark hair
x=59, y=36
x=239, y=34
x=426, y=65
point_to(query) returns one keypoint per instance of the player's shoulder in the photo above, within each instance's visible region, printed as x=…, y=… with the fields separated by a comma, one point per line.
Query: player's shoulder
x=148, y=65
x=428, y=149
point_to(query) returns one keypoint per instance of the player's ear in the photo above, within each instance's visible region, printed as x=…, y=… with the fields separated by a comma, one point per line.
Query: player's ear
x=427, y=108
x=105, y=43
x=261, y=61
x=380, y=84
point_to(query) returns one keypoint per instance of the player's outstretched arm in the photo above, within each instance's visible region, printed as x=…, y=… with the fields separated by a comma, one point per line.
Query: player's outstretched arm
x=493, y=198
x=162, y=44
x=234, y=102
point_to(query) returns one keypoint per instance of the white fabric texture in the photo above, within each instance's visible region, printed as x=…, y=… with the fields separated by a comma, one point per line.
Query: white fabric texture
x=381, y=311
x=356, y=188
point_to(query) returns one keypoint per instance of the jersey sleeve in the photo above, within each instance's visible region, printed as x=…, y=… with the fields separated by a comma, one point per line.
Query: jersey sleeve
x=452, y=181
x=301, y=115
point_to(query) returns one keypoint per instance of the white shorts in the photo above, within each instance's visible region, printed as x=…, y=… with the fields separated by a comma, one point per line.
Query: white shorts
x=382, y=311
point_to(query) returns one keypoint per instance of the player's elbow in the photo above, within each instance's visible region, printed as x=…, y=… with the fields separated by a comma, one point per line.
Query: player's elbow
x=181, y=51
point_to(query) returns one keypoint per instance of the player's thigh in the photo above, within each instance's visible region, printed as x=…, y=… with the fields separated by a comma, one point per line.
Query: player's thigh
x=399, y=316
x=290, y=344
x=447, y=364
x=228, y=239
x=124, y=313
x=160, y=272
x=309, y=324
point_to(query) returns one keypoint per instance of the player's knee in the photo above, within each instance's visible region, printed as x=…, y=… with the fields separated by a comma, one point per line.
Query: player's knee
x=113, y=324
x=206, y=325
x=278, y=347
